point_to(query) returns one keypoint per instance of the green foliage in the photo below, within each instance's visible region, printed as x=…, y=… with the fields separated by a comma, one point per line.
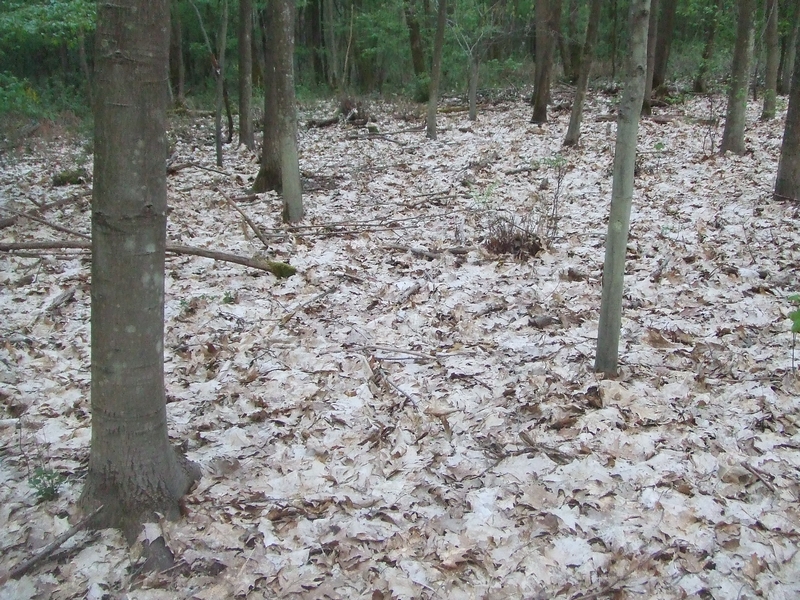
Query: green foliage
x=17, y=96
x=44, y=22
x=46, y=483
x=794, y=316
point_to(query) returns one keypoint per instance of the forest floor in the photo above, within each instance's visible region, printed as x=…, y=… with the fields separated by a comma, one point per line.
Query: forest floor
x=412, y=415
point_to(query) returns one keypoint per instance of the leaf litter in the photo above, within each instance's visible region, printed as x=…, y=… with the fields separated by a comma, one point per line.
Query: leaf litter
x=411, y=415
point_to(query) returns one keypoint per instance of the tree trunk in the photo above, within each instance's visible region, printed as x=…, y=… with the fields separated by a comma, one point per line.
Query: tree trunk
x=545, y=43
x=133, y=471
x=614, y=18
x=332, y=50
x=436, y=68
x=415, y=39
x=280, y=168
x=474, y=68
x=787, y=183
x=87, y=74
x=666, y=29
x=708, y=49
x=652, y=32
x=220, y=72
x=790, y=49
x=773, y=59
x=572, y=48
x=630, y=108
x=733, y=134
x=177, y=65
x=246, y=73
x=574, y=130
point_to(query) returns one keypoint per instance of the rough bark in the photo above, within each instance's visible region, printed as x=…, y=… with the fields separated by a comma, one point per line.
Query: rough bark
x=280, y=169
x=436, y=68
x=772, y=42
x=220, y=73
x=246, y=73
x=177, y=64
x=133, y=471
x=630, y=107
x=545, y=49
x=787, y=183
x=733, y=134
x=571, y=46
x=415, y=38
x=652, y=32
x=790, y=49
x=666, y=28
x=708, y=49
x=574, y=129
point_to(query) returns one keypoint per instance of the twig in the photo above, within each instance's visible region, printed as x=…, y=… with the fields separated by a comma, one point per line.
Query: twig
x=760, y=476
x=319, y=296
x=279, y=269
x=403, y=351
x=248, y=220
x=613, y=584
x=371, y=136
x=429, y=253
x=47, y=223
x=27, y=565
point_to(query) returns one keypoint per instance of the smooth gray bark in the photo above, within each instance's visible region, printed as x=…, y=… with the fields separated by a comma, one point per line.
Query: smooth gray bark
x=547, y=17
x=291, y=189
x=735, y=118
x=436, y=69
x=220, y=73
x=574, y=129
x=133, y=471
x=630, y=108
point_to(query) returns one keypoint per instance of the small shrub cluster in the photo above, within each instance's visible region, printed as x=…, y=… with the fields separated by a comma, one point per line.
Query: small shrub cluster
x=518, y=239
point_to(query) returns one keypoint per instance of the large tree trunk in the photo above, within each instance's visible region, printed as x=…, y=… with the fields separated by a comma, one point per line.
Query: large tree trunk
x=773, y=60
x=571, y=46
x=733, y=134
x=436, y=68
x=133, y=470
x=630, y=108
x=787, y=184
x=708, y=49
x=246, y=73
x=574, y=130
x=177, y=64
x=790, y=49
x=652, y=32
x=666, y=28
x=280, y=168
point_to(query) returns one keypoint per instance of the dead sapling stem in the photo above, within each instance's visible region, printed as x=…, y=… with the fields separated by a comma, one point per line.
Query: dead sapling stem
x=248, y=220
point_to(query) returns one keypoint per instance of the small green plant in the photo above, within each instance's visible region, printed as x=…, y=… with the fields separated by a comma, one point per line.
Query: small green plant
x=229, y=298
x=46, y=483
x=794, y=316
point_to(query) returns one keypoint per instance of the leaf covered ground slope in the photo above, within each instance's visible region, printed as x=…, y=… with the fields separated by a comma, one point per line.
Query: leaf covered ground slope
x=412, y=416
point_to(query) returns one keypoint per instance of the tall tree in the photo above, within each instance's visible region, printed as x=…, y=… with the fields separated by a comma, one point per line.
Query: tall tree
x=415, y=38
x=246, y=73
x=630, y=108
x=789, y=47
x=219, y=67
x=666, y=29
x=773, y=60
x=733, y=134
x=652, y=38
x=280, y=168
x=177, y=64
x=574, y=129
x=712, y=18
x=332, y=49
x=436, y=68
x=787, y=183
x=548, y=13
x=570, y=43
x=134, y=473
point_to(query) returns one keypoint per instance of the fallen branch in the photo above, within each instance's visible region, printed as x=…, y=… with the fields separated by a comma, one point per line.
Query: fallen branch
x=42, y=554
x=279, y=269
x=429, y=253
x=319, y=296
x=248, y=220
x=47, y=223
x=8, y=222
